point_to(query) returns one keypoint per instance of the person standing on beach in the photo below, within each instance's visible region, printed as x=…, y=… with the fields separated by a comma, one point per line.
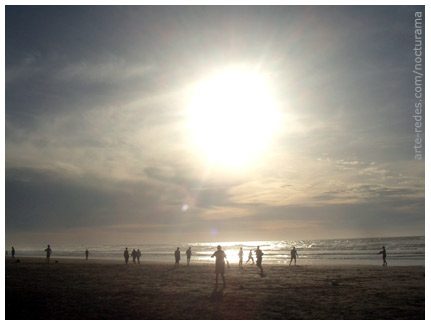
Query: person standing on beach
x=241, y=255
x=48, y=253
x=383, y=253
x=86, y=254
x=13, y=253
x=189, y=255
x=138, y=256
x=219, y=266
x=259, y=255
x=250, y=256
x=134, y=256
x=126, y=255
x=177, y=255
x=293, y=255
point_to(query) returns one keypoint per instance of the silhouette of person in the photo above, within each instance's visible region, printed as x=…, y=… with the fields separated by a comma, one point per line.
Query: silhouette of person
x=383, y=252
x=48, y=253
x=259, y=255
x=138, y=256
x=241, y=255
x=177, y=256
x=219, y=265
x=126, y=255
x=250, y=256
x=13, y=253
x=293, y=255
x=134, y=256
x=189, y=255
x=86, y=254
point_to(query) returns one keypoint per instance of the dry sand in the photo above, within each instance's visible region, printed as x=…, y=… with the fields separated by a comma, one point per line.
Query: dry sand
x=97, y=289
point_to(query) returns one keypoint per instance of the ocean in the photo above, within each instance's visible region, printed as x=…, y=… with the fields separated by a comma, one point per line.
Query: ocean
x=401, y=251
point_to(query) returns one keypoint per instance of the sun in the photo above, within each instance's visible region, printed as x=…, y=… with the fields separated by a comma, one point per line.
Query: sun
x=232, y=116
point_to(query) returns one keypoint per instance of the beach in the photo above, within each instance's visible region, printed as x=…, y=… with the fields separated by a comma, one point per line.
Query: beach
x=110, y=289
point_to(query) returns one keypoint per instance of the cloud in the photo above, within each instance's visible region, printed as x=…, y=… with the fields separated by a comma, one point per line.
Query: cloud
x=97, y=122
x=325, y=182
x=111, y=70
x=371, y=194
x=226, y=213
x=374, y=171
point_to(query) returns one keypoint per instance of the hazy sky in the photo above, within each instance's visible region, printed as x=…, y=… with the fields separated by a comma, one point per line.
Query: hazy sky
x=99, y=146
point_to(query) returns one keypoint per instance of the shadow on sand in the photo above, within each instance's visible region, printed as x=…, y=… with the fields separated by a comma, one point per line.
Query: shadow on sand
x=217, y=295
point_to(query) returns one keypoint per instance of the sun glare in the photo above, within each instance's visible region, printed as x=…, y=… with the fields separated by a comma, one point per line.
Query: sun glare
x=232, y=116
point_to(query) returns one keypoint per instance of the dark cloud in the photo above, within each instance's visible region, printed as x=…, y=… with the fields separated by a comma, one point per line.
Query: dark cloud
x=44, y=199
x=39, y=200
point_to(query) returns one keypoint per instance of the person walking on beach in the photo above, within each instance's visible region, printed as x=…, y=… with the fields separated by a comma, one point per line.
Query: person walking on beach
x=138, y=256
x=177, y=255
x=48, y=253
x=250, y=256
x=219, y=265
x=126, y=255
x=86, y=254
x=293, y=255
x=134, y=256
x=383, y=253
x=189, y=255
x=241, y=255
x=13, y=253
x=259, y=255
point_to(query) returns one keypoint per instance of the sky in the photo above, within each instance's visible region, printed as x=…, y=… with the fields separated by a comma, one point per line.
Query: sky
x=120, y=127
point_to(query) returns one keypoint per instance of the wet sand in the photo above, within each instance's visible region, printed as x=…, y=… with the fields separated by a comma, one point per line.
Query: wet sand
x=105, y=289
